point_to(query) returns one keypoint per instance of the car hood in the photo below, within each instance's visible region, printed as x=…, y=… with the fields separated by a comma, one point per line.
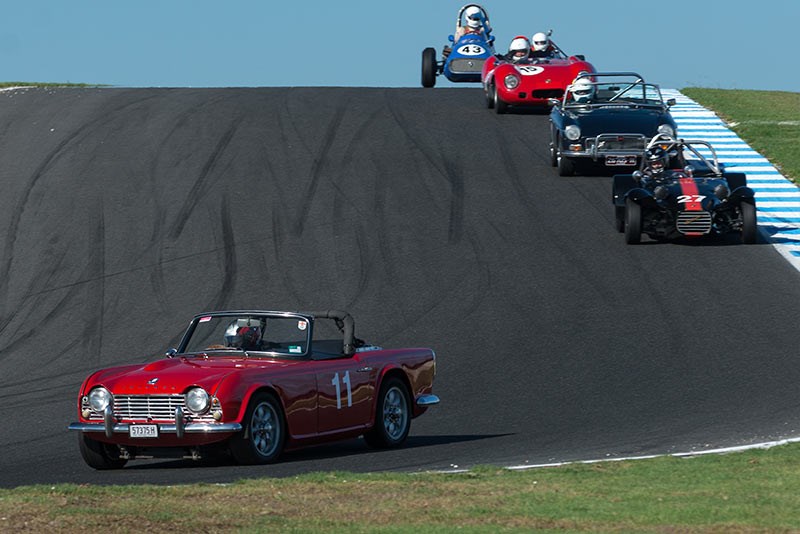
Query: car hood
x=175, y=375
x=618, y=120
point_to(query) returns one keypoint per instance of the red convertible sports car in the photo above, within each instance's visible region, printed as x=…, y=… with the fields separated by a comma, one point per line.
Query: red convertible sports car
x=530, y=82
x=254, y=383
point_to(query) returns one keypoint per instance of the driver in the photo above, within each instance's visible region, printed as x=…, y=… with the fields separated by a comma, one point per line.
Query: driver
x=474, y=23
x=519, y=50
x=245, y=337
x=655, y=162
x=542, y=46
x=582, y=91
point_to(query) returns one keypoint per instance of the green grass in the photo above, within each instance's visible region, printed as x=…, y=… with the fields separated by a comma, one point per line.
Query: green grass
x=747, y=491
x=768, y=120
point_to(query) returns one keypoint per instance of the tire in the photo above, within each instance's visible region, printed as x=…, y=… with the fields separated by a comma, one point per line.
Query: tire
x=749, y=224
x=99, y=455
x=500, y=107
x=556, y=141
x=633, y=222
x=428, y=67
x=392, y=416
x=566, y=167
x=619, y=219
x=490, y=96
x=264, y=434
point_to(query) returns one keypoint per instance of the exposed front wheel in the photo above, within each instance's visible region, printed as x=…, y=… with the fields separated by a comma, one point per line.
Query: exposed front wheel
x=392, y=416
x=428, y=67
x=262, y=438
x=99, y=455
x=554, y=142
x=566, y=167
x=749, y=224
x=633, y=222
x=490, y=96
x=499, y=106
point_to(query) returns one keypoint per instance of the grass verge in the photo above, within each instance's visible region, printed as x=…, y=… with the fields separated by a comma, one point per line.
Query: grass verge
x=739, y=492
x=769, y=121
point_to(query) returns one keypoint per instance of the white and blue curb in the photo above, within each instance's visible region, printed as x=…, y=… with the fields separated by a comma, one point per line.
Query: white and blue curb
x=777, y=198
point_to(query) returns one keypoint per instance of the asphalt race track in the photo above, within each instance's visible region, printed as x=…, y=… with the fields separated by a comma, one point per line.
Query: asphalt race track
x=434, y=221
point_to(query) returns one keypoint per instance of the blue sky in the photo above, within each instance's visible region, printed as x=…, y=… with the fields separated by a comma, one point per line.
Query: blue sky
x=223, y=43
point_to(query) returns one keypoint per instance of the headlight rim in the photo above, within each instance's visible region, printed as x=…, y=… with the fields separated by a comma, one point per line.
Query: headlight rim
x=189, y=399
x=572, y=132
x=666, y=129
x=512, y=77
x=107, y=399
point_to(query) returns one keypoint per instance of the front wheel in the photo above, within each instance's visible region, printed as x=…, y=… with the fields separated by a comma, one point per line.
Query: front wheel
x=392, y=416
x=554, y=142
x=566, y=167
x=499, y=106
x=99, y=455
x=749, y=224
x=633, y=222
x=490, y=96
x=428, y=67
x=262, y=438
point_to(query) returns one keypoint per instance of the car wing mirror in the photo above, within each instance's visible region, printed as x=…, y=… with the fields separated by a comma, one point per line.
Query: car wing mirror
x=581, y=57
x=671, y=102
x=553, y=101
x=491, y=39
x=637, y=175
x=451, y=38
x=171, y=353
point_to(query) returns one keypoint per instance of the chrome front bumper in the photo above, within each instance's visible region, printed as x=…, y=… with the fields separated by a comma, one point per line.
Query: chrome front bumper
x=179, y=427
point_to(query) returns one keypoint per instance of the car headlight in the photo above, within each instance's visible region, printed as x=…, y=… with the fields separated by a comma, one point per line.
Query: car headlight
x=99, y=399
x=511, y=81
x=197, y=400
x=572, y=132
x=722, y=191
x=666, y=129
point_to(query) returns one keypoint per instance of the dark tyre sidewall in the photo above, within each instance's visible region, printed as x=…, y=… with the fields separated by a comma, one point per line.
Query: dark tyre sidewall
x=391, y=429
x=565, y=165
x=499, y=106
x=633, y=222
x=428, y=67
x=99, y=455
x=264, y=434
x=749, y=223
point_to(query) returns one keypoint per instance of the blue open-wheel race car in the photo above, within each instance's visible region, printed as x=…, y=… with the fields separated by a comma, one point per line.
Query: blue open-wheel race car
x=471, y=45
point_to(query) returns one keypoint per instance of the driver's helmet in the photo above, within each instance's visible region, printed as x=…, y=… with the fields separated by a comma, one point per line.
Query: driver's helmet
x=540, y=41
x=582, y=90
x=243, y=336
x=656, y=159
x=519, y=49
x=473, y=17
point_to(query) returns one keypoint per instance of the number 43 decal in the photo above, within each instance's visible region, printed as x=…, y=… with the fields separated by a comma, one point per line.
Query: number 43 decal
x=688, y=199
x=337, y=385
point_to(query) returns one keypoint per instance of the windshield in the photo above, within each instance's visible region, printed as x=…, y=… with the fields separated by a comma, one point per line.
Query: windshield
x=250, y=333
x=609, y=93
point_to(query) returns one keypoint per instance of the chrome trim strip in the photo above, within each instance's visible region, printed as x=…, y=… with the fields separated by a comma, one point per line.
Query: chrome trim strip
x=108, y=421
x=190, y=428
x=427, y=400
x=180, y=424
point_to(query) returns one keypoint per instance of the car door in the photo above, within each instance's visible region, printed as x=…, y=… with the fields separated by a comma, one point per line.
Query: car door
x=345, y=392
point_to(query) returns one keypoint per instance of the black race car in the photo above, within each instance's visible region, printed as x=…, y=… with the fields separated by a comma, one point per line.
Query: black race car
x=606, y=119
x=671, y=196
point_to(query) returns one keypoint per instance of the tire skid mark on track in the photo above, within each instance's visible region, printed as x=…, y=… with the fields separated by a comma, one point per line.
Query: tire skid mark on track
x=229, y=259
x=200, y=185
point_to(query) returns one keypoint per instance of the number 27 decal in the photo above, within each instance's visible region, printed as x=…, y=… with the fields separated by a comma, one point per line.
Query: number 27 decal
x=687, y=199
x=335, y=383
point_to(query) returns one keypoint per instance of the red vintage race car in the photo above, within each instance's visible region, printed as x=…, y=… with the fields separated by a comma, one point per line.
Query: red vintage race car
x=532, y=81
x=254, y=383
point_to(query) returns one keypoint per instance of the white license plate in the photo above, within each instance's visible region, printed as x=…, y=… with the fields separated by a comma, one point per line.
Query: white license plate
x=620, y=160
x=143, y=431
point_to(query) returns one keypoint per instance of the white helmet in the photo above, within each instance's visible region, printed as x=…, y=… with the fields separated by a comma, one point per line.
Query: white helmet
x=473, y=17
x=582, y=90
x=540, y=41
x=519, y=49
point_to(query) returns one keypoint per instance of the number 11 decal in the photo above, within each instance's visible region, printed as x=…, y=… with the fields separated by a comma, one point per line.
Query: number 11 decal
x=346, y=381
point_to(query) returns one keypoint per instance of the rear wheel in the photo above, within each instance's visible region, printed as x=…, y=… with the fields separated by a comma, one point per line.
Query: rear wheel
x=633, y=222
x=392, y=416
x=749, y=224
x=99, y=455
x=428, y=67
x=261, y=440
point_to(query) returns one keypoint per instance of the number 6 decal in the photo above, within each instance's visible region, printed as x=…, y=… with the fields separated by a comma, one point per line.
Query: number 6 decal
x=346, y=381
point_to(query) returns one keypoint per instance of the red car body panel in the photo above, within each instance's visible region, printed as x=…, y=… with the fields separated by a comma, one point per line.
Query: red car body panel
x=539, y=80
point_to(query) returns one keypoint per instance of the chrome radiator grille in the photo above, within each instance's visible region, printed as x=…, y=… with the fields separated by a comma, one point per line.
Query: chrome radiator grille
x=466, y=65
x=151, y=408
x=694, y=222
x=621, y=142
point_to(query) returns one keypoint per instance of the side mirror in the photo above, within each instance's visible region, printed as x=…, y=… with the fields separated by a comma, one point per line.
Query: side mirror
x=581, y=57
x=553, y=101
x=671, y=102
x=451, y=38
x=171, y=353
x=491, y=39
x=637, y=175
